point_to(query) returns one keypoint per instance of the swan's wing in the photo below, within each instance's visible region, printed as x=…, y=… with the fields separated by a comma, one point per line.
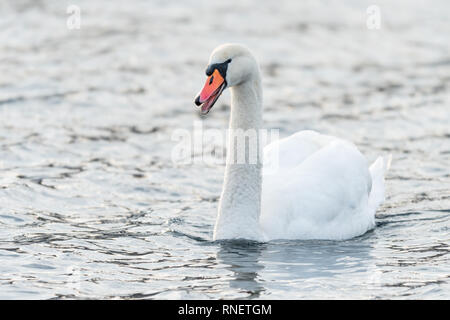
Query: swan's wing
x=291, y=151
x=320, y=192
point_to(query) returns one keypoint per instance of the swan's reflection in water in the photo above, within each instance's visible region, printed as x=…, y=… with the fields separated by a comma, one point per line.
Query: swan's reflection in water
x=258, y=267
x=243, y=259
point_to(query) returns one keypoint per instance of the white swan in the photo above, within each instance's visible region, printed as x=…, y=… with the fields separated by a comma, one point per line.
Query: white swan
x=313, y=186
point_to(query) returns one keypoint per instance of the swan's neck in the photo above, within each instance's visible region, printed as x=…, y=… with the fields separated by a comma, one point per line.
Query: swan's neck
x=240, y=202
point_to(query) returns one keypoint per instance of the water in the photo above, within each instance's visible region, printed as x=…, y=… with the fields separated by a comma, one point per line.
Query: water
x=91, y=205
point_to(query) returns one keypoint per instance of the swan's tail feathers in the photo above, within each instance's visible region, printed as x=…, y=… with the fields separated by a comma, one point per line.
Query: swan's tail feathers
x=377, y=172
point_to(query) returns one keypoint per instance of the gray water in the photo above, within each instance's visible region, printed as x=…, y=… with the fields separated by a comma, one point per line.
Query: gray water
x=92, y=206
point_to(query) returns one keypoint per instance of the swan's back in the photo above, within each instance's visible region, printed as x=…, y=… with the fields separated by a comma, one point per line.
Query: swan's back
x=317, y=187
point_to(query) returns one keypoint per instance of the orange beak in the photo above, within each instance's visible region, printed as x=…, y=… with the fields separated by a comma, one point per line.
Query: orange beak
x=211, y=91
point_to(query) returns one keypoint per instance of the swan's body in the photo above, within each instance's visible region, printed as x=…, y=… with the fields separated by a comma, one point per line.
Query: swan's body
x=311, y=186
x=322, y=190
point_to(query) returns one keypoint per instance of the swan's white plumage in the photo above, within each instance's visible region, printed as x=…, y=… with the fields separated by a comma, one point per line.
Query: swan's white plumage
x=310, y=186
x=321, y=188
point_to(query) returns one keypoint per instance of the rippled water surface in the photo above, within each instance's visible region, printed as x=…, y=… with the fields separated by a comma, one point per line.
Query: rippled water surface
x=92, y=206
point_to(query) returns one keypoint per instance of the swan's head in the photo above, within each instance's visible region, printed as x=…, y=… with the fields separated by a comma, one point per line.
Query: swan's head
x=229, y=65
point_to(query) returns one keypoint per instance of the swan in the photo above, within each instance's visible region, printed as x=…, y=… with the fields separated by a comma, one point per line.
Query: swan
x=305, y=186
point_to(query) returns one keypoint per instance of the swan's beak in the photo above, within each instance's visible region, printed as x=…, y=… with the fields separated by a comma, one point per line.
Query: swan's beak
x=214, y=86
